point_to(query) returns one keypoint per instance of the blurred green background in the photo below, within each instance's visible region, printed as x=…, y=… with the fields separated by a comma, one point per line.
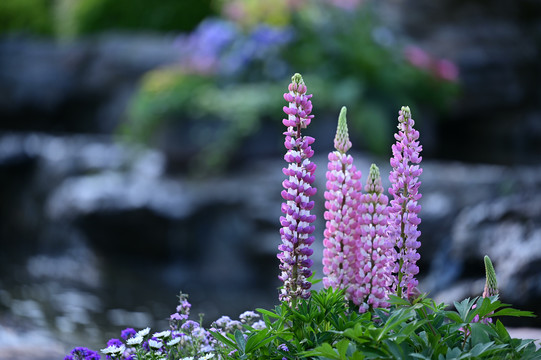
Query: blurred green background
x=235, y=58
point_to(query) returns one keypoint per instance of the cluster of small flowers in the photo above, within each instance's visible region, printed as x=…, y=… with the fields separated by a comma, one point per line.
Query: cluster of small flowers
x=186, y=339
x=191, y=339
x=82, y=353
x=183, y=312
x=249, y=318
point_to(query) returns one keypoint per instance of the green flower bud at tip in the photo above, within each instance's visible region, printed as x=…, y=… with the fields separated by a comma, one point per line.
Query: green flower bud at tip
x=341, y=140
x=491, y=285
x=297, y=78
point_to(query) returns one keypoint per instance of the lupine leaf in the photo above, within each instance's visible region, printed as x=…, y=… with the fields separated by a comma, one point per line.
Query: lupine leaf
x=513, y=312
x=257, y=340
x=223, y=339
x=268, y=313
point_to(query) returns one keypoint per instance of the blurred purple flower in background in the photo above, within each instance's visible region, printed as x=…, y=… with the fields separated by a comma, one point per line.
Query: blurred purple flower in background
x=221, y=46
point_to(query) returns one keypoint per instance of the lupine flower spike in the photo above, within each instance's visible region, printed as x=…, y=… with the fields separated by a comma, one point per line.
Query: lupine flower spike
x=491, y=285
x=341, y=235
x=296, y=223
x=404, y=209
x=491, y=288
x=374, y=263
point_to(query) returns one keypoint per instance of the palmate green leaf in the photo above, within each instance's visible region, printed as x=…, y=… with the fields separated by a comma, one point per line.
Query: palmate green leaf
x=397, y=317
x=395, y=300
x=452, y=315
x=463, y=308
x=513, y=312
x=342, y=347
x=268, y=313
x=502, y=331
x=325, y=350
x=258, y=339
x=223, y=339
x=405, y=332
x=420, y=356
x=399, y=351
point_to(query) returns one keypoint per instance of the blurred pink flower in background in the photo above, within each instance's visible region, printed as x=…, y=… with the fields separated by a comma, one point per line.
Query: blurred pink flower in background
x=446, y=70
x=441, y=68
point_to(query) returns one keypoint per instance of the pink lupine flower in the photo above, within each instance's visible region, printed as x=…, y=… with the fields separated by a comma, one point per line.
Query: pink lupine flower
x=296, y=223
x=341, y=233
x=404, y=209
x=375, y=251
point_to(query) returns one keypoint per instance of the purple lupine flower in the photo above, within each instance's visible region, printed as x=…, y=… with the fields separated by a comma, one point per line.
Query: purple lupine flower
x=404, y=209
x=375, y=250
x=342, y=198
x=296, y=224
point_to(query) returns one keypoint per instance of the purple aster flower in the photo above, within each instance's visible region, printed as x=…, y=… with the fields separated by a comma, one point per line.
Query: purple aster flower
x=404, y=209
x=296, y=231
x=342, y=197
x=375, y=251
x=128, y=333
x=114, y=342
x=82, y=353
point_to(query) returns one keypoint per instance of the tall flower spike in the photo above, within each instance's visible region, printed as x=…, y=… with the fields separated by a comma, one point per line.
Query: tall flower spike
x=404, y=209
x=296, y=223
x=374, y=275
x=491, y=285
x=341, y=233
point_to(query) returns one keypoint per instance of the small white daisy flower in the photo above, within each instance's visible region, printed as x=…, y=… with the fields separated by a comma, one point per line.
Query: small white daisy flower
x=208, y=356
x=143, y=332
x=136, y=340
x=173, y=342
x=165, y=333
x=113, y=349
x=155, y=344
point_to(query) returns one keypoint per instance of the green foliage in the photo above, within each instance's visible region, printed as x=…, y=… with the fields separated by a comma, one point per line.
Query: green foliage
x=339, y=57
x=325, y=327
x=221, y=116
x=92, y=16
x=34, y=16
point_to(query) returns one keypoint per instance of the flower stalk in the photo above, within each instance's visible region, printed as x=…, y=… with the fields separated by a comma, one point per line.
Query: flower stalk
x=342, y=196
x=297, y=228
x=375, y=249
x=404, y=207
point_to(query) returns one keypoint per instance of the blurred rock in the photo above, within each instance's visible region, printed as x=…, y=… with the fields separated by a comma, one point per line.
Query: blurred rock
x=508, y=230
x=496, y=45
x=82, y=86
